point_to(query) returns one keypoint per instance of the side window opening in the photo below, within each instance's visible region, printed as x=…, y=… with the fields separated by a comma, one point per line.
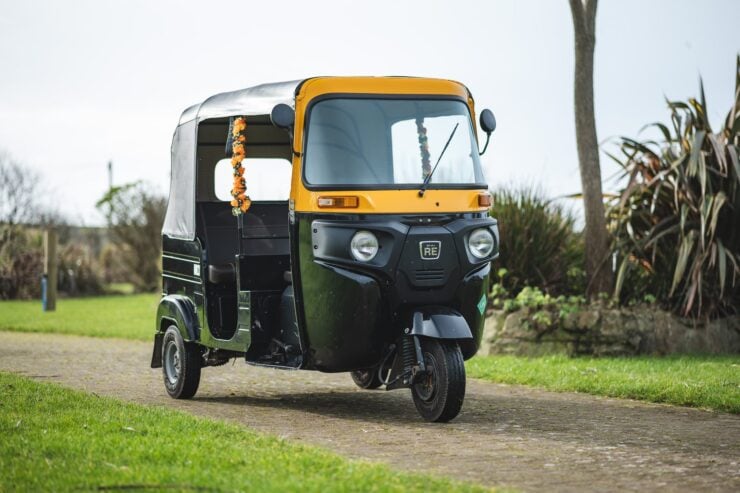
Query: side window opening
x=268, y=179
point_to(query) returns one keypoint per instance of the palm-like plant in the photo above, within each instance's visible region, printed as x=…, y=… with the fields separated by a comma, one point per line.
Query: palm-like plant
x=676, y=224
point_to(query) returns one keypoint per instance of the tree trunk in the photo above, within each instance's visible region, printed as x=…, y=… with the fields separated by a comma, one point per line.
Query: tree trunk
x=596, y=238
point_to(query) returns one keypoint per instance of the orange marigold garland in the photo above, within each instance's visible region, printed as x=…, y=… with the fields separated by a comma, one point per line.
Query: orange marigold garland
x=241, y=202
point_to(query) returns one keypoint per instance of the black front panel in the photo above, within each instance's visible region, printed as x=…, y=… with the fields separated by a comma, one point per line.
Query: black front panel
x=470, y=300
x=340, y=310
x=350, y=309
x=428, y=270
x=429, y=258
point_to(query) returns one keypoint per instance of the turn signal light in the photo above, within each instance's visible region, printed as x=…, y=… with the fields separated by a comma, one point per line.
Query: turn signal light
x=484, y=200
x=350, y=202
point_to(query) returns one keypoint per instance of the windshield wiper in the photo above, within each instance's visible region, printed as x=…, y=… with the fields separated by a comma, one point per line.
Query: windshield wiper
x=429, y=176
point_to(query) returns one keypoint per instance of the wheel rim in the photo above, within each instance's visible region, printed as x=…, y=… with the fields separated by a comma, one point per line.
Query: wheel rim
x=172, y=363
x=426, y=388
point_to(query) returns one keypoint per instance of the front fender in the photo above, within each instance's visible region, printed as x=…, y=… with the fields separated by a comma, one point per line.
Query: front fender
x=180, y=311
x=440, y=323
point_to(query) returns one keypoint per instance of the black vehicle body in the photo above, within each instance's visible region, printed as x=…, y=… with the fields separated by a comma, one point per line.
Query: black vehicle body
x=279, y=286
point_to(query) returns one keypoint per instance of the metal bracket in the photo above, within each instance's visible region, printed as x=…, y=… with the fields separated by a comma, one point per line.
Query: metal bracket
x=419, y=354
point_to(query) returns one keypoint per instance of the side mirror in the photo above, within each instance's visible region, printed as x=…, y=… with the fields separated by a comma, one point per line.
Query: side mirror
x=283, y=116
x=488, y=125
x=487, y=121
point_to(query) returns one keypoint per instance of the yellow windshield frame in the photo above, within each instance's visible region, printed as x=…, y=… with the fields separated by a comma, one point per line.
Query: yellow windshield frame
x=379, y=201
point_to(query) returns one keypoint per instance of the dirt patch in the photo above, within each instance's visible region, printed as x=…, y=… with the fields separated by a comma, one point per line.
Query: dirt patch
x=505, y=436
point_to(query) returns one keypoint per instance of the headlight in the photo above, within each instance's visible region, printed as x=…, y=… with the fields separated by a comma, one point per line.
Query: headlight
x=364, y=246
x=480, y=243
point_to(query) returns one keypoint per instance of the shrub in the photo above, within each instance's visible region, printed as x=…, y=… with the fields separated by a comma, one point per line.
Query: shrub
x=677, y=221
x=79, y=273
x=21, y=263
x=539, y=246
x=111, y=264
x=543, y=312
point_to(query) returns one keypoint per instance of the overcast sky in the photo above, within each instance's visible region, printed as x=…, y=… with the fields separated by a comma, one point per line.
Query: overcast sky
x=82, y=82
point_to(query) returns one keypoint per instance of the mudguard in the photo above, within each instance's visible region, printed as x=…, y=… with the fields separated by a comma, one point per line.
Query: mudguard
x=178, y=310
x=436, y=322
x=440, y=323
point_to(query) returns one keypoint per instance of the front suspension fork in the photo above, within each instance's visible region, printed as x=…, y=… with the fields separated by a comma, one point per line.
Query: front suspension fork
x=408, y=364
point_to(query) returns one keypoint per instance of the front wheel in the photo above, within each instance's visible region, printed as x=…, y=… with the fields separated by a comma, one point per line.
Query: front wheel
x=438, y=394
x=181, y=363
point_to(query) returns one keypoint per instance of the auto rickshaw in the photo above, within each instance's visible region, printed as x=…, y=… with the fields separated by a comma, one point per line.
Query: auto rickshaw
x=337, y=224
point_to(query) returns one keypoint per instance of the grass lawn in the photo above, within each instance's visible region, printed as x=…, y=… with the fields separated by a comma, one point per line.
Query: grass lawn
x=128, y=317
x=55, y=439
x=699, y=381
x=120, y=288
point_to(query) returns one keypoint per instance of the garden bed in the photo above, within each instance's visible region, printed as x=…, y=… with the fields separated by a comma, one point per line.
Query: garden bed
x=605, y=331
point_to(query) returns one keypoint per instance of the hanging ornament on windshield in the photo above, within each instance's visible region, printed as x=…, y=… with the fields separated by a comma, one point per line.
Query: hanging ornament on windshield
x=426, y=166
x=237, y=133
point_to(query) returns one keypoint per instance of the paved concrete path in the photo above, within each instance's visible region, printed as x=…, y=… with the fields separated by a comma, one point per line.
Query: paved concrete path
x=505, y=436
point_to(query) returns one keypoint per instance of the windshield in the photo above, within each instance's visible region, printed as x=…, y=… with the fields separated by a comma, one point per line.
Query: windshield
x=371, y=142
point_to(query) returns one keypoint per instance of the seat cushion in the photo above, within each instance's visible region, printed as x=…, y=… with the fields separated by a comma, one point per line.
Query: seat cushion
x=221, y=273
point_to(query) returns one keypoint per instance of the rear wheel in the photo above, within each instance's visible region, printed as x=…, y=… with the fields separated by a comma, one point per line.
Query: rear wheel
x=181, y=363
x=368, y=379
x=438, y=394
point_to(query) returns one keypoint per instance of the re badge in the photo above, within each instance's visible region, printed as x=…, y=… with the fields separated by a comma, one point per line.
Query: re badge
x=430, y=250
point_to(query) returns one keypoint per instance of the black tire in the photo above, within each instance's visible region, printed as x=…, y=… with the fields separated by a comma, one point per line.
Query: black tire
x=181, y=363
x=438, y=395
x=367, y=379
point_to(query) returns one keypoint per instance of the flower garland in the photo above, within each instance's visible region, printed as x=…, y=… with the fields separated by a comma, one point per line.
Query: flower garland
x=426, y=166
x=241, y=202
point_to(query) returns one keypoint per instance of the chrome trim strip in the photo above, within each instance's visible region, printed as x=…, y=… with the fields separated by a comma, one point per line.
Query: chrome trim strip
x=192, y=260
x=164, y=274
